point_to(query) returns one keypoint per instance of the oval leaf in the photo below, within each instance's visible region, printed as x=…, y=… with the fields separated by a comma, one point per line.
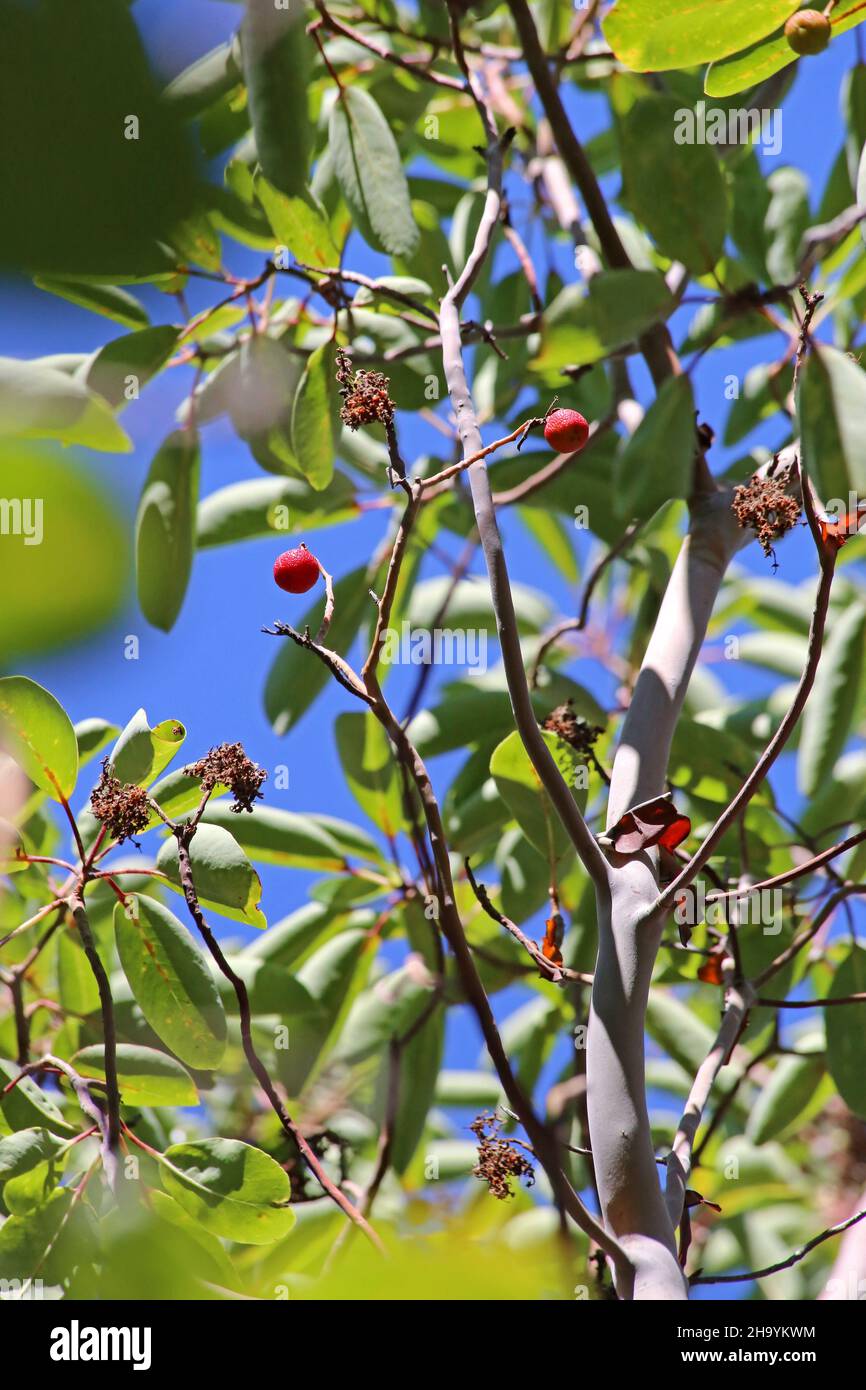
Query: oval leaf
x=224, y=877
x=655, y=464
x=141, y=752
x=520, y=788
x=231, y=1189
x=370, y=769
x=38, y=734
x=649, y=37
x=844, y=1027
x=170, y=980
x=787, y=1094
x=145, y=1076
x=829, y=713
x=832, y=411
x=370, y=173
x=39, y=402
x=276, y=58
x=688, y=223
x=314, y=418
x=165, y=529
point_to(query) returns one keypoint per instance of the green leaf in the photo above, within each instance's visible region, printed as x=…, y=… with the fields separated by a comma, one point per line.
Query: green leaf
x=404, y=284
x=370, y=770
x=852, y=99
x=224, y=877
x=296, y=676
x=39, y=402
x=178, y=792
x=523, y=876
x=260, y=390
x=420, y=1061
x=469, y=607
x=784, y=1098
x=554, y=540
x=769, y=55
x=786, y=220
x=118, y=371
x=276, y=59
x=383, y=1012
x=844, y=1026
x=333, y=976
x=77, y=990
x=473, y=713
x=47, y=1241
x=39, y=735
x=26, y=1105
x=144, y=1075
x=165, y=529
x=204, y=81
x=142, y=751
x=75, y=528
x=583, y=326
x=170, y=980
x=300, y=841
x=675, y=189
x=370, y=173
x=832, y=410
x=830, y=709
x=648, y=37
x=676, y=1028
x=478, y=1090
x=25, y=1150
x=196, y=239
x=520, y=788
x=264, y=507
x=271, y=989
x=92, y=735
x=656, y=463
x=114, y=303
x=300, y=224
x=232, y=1189
x=289, y=940
x=314, y=418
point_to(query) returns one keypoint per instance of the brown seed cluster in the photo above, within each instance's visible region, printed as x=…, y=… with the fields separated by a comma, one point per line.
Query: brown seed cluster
x=572, y=728
x=365, y=395
x=498, y=1161
x=123, y=808
x=228, y=766
x=765, y=505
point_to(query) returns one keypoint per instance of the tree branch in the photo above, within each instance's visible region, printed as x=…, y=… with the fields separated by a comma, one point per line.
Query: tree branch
x=656, y=343
x=738, y=1001
x=183, y=835
x=485, y=516
x=111, y=1132
x=777, y=743
x=788, y=1263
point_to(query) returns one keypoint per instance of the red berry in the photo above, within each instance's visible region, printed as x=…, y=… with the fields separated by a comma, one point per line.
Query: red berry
x=296, y=571
x=566, y=431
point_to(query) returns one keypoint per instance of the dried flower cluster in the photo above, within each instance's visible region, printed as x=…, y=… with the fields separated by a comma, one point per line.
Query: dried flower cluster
x=365, y=395
x=228, y=765
x=765, y=505
x=123, y=808
x=498, y=1161
x=572, y=728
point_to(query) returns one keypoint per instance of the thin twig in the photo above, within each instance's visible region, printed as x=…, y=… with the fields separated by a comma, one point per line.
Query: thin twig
x=788, y=1263
x=557, y=973
x=183, y=835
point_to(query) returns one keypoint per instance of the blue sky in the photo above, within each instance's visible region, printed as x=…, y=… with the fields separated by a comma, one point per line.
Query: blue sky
x=210, y=670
